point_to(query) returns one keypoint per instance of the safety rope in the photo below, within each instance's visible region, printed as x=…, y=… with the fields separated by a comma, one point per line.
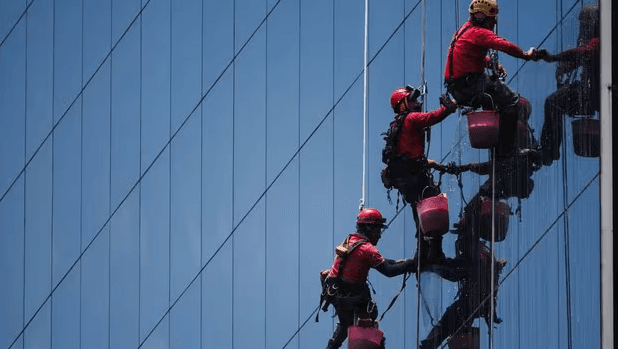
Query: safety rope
x=491, y=247
x=423, y=87
x=365, y=117
x=565, y=196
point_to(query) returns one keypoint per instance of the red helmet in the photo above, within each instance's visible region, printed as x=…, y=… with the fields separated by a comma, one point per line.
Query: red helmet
x=370, y=216
x=402, y=93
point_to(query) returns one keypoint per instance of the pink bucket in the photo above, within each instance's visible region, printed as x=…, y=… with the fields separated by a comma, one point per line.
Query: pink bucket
x=483, y=128
x=362, y=337
x=466, y=340
x=503, y=211
x=433, y=215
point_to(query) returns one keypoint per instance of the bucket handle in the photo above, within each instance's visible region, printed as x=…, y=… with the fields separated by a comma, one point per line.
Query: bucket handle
x=423, y=192
x=493, y=106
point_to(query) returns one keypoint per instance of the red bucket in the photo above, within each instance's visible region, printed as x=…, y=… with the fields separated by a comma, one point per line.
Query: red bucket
x=363, y=337
x=433, y=215
x=483, y=128
x=466, y=340
x=586, y=137
x=503, y=211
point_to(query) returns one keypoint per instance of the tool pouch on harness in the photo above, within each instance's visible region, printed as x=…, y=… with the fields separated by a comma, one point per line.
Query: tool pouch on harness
x=332, y=286
x=402, y=171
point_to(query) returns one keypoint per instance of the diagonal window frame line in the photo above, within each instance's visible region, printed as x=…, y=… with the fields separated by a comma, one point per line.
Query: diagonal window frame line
x=546, y=37
x=173, y=136
x=459, y=141
x=39, y=148
x=548, y=229
x=147, y=169
x=330, y=111
x=79, y=94
x=534, y=245
x=23, y=14
x=524, y=256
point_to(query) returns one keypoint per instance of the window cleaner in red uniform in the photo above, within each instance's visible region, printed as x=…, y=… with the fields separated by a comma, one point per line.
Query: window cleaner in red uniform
x=579, y=97
x=474, y=278
x=345, y=284
x=464, y=74
x=407, y=168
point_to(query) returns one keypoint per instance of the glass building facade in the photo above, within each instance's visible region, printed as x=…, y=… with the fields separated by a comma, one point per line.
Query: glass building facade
x=175, y=174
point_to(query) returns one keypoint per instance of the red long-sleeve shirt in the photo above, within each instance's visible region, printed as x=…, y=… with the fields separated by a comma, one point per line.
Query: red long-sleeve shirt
x=470, y=51
x=411, y=142
x=358, y=263
x=586, y=51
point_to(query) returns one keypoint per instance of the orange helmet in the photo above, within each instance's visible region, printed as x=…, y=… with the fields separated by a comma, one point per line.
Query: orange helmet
x=488, y=7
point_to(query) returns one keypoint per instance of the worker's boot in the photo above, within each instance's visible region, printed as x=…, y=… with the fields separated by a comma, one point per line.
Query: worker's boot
x=338, y=338
x=331, y=345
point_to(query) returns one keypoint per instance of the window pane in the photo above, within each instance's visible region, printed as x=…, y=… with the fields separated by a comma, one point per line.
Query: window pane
x=67, y=54
x=12, y=106
x=40, y=69
x=124, y=274
x=12, y=264
x=95, y=155
x=154, y=244
x=95, y=296
x=155, y=84
x=185, y=206
x=66, y=193
x=65, y=311
x=38, y=241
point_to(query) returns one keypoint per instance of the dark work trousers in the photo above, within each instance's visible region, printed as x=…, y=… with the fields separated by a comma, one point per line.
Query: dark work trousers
x=473, y=302
x=569, y=99
x=512, y=180
x=453, y=318
x=481, y=90
x=352, y=305
x=416, y=183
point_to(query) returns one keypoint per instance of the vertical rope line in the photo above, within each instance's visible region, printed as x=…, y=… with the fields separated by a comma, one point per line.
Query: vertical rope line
x=81, y=177
x=23, y=290
x=169, y=190
x=139, y=221
x=403, y=11
x=423, y=33
x=418, y=289
x=423, y=88
x=23, y=304
x=457, y=13
x=491, y=249
x=202, y=175
x=53, y=138
x=298, y=245
x=439, y=71
x=365, y=87
x=233, y=155
x=565, y=189
x=265, y=172
x=109, y=234
x=519, y=230
x=333, y=136
x=558, y=8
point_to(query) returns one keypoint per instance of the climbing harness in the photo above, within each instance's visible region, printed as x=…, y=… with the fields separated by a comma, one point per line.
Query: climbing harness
x=330, y=285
